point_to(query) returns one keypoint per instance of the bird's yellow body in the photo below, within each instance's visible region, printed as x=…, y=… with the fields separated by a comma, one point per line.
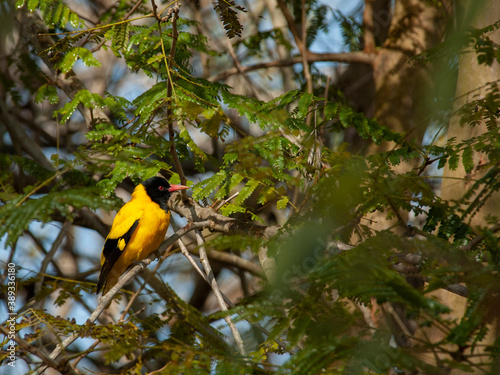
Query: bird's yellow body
x=138, y=230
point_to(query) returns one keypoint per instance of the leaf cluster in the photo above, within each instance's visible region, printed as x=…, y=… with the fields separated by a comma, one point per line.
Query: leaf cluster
x=227, y=11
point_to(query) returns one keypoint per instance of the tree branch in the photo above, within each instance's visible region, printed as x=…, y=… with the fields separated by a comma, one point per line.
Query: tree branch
x=218, y=294
x=48, y=258
x=343, y=57
x=236, y=261
x=63, y=367
x=183, y=310
x=19, y=136
x=303, y=53
x=193, y=212
x=300, y=40
x=369, y=38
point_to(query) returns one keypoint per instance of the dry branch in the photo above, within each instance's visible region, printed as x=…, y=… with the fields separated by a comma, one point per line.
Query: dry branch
x=193, y=212
x=312, y=57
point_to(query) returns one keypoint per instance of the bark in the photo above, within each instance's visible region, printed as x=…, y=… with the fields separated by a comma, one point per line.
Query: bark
x=193, y=212
x=472, y=84
x=391, y=88
x=472, y=87
x=400, y=84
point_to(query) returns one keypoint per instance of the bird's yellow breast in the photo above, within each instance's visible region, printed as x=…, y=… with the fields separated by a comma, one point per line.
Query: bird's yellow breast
x=153, y=225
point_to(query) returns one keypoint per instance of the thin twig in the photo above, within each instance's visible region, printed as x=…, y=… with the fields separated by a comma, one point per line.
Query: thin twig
x=221, y=204
x=36, y=31
x=242, y=276
x=242, y=264
x=155, y=12
x=236, y=261
x=238, y=66
x=477, y=240
x=188, y=256
x=140, y=289
x=300, y=40
x=174, y=15
x=39, y=245
x=217, y=292
x=48, y=258
x=132, y=10
x=369, y=38
x=303, y=52
x=85, y=353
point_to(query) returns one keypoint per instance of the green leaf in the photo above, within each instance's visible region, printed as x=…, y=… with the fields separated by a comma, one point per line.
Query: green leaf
x=330, y=110
x=288, y=98
x=282, y=203
x=304, y=104
x=467, y=159
x=65, y=16
x=226, y=9
x=193, y=146
x=212, y=122
x=230, y=157
x=47, y=92
x=231, y=208
x=85, y=97
x=138, y=169
x=247, y=190
x=453, y=161
x=32, y=4
x=225, y=190
x=74, y=20
x=120, y=36
x=235, y=180
x=175, y=179
x=57, y=13
x=67, y=62
x=204, y=188
x=151, y=99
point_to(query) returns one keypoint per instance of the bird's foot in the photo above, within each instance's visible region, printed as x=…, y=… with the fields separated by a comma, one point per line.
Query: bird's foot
x=140, y=263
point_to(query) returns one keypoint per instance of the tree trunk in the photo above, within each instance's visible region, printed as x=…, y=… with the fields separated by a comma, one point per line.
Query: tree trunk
x=472, y=84
x=400, y=85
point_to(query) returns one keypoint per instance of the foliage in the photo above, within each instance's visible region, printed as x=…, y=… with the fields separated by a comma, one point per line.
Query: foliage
x=229, y=17
x=351, y=31
x=252, y=159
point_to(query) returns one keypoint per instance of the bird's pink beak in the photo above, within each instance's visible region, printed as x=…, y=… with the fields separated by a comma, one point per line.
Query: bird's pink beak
x=177, y=187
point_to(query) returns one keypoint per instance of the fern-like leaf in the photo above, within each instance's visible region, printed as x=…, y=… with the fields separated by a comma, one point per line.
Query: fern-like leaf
x=228, y=16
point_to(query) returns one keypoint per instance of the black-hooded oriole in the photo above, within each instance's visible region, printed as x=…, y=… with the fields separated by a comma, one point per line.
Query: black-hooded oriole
x=138, y=229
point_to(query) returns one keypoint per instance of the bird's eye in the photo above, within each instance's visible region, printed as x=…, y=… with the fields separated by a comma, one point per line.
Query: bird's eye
x=161, y=188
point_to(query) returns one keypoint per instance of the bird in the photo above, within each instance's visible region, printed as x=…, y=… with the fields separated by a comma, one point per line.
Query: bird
x=138, y=229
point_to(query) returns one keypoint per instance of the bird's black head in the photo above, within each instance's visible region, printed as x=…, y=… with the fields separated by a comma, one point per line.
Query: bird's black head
x=158, y=189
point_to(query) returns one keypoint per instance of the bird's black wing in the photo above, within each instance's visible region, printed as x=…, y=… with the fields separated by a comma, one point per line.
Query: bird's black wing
x=113, y=248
